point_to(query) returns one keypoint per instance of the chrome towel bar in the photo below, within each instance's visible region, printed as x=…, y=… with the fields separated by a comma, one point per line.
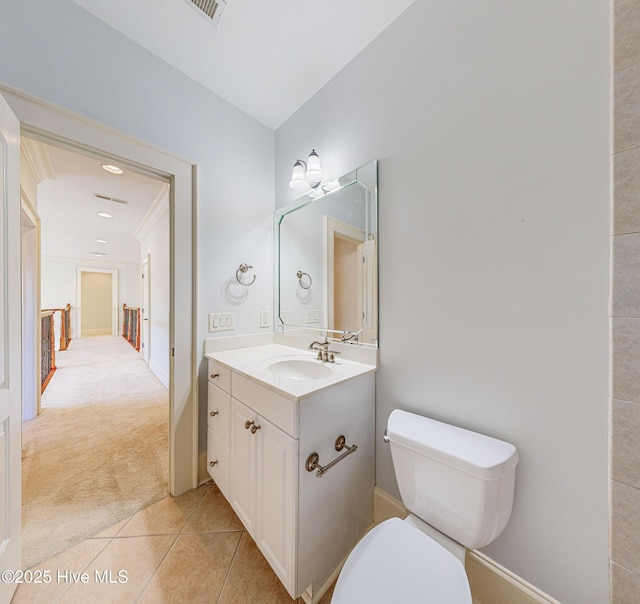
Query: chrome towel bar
x=313, y=459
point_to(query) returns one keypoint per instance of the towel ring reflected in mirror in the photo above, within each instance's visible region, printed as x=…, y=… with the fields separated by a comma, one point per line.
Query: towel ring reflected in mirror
x=304, y=285
x=243, y=268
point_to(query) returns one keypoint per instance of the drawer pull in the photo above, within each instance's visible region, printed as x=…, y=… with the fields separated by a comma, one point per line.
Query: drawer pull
x=214, y=376
x=213, y=463
x=214, y=413
x=248, y=424
x=254, y=428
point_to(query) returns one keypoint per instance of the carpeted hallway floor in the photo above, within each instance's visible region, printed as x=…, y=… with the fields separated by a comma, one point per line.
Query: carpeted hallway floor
x=98, y=452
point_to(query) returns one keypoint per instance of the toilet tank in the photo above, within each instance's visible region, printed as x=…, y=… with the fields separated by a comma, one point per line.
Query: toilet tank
x=458, y=481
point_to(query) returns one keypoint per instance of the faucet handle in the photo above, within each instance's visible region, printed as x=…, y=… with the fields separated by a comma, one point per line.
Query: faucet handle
x=332, y=354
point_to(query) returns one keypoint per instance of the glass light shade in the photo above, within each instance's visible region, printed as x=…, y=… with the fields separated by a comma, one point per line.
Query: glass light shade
x=298, y=180
x=332, y=185
x=314, y=169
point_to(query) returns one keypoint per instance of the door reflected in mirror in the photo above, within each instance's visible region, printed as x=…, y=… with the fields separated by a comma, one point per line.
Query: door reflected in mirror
x=326, y=261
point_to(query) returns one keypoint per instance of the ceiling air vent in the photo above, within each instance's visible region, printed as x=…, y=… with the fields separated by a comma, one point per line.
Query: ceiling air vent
x=107, y=198
x=210, y=9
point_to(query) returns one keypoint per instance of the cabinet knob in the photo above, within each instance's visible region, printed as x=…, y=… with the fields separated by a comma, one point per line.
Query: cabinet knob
x=213, y=413
x=254, y=429
x=213, y=463
x=248, y=424
x=214, y=376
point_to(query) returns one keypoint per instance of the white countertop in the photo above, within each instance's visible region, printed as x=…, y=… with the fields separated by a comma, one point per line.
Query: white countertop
x=253, y=362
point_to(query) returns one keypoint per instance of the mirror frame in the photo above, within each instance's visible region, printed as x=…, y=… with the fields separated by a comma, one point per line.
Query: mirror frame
x=371, y=222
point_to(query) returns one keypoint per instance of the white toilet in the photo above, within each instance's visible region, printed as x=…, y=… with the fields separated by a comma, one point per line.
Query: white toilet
x=458, y=486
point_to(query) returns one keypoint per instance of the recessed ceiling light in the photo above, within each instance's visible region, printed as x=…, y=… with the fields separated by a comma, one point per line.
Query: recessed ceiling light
x=113, y=169
x=98, y=253
x=101, y=241
x=104, y=215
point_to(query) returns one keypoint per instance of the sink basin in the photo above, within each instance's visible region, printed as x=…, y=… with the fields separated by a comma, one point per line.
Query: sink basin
x=299, y=369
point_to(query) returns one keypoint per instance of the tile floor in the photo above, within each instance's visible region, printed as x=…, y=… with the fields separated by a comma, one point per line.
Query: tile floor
x=187, y=550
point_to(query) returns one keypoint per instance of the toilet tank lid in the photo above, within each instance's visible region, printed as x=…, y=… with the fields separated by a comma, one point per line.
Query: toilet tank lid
x=482, y=456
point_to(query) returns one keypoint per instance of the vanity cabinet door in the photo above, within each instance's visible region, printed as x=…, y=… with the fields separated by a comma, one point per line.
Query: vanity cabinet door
x=277, y=488
x=242, y=478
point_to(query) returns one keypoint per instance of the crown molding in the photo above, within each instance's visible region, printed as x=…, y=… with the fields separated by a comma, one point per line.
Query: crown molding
x=158, y=209
x=36, y=155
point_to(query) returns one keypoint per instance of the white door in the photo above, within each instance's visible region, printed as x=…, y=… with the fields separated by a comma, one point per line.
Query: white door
x=10, y=347
x=144, y=311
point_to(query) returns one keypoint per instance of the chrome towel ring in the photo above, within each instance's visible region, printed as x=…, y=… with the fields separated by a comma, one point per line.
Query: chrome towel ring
x=243, y=268
x=303, y=285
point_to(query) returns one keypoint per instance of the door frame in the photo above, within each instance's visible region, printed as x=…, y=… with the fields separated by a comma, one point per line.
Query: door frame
x=54, y=125
x=31, y=327
x=332, y=229
x=145, y=308
x=115, y=296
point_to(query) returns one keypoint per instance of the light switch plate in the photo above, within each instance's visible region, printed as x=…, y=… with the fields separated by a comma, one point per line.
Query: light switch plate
x=222, y=321
x=312, y=316
x=265, y=318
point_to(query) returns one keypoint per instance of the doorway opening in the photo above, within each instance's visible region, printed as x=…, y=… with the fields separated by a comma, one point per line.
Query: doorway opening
x=96, y=302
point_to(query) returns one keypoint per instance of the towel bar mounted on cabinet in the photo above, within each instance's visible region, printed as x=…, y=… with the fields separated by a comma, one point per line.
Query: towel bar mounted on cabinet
x=313, y=459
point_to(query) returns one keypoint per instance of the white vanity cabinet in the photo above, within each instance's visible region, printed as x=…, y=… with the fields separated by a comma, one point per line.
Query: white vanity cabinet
x=304, y=525
x=263, y=488
x=219, y=425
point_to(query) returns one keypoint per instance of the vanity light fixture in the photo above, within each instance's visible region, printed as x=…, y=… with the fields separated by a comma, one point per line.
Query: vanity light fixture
x=104, y=215
x=101, y=241
x=308, y=175
x=112, y=169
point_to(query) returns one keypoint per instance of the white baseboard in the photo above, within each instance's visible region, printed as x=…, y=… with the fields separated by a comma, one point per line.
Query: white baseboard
x=490, y=582
x=160, y=373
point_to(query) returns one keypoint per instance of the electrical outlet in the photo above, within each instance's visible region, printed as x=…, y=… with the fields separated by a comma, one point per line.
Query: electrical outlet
x=222, y=321
x=265, y=318
x=312, y=316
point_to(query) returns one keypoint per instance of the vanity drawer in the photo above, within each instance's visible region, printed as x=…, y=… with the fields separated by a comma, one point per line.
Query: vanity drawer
x=218, y=454
x=220, y=376
x=219, y=412
x=278, y=410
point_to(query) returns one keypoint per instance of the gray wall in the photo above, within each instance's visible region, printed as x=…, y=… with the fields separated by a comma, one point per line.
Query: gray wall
x=625, y=308
x=62, y=54
x=491, y=123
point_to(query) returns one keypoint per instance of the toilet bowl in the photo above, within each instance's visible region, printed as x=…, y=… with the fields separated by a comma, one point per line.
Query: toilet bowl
x=459, y=487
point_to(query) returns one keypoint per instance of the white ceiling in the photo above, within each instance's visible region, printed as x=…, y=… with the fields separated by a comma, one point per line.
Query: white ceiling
x=68, y=209
x=267, y=58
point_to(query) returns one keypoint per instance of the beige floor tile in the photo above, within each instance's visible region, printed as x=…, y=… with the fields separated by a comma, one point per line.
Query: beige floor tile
x=165, y=517
x=251, y=579
x=111, y=531
x=213, y=514
x=74, y=560
x=139, y=557
x=194, y=570
x=326, y=598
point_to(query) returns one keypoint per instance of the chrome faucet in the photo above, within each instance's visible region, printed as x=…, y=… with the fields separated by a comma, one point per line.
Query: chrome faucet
x=324, y=354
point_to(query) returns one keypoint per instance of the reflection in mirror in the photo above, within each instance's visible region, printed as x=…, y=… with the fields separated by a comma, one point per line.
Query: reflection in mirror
x=326, y=261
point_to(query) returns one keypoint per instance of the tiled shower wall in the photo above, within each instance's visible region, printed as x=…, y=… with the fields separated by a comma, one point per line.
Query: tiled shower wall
x=625, y=308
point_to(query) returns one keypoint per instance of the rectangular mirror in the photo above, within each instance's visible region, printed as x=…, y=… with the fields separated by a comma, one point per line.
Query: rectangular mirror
x=327, y=263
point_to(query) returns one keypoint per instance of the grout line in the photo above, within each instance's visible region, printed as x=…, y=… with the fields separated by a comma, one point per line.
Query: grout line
x=153, y=574
x=195, y=509
x=619, y=69
x=226, y=577
x=84, y=568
